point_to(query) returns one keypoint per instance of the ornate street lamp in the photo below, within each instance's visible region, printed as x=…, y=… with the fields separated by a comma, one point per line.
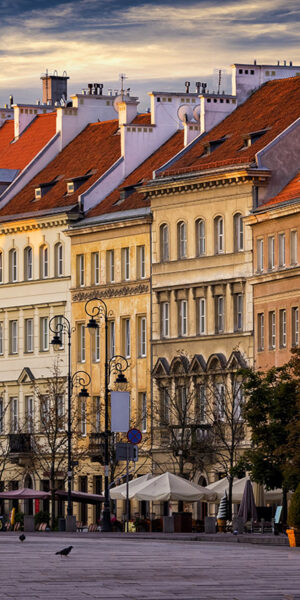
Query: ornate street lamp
x=96, y=307
x=81, y=378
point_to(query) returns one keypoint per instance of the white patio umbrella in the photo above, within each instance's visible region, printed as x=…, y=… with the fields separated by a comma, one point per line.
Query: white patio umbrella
x=119, y=492
x=171, y=487
x=221, y=486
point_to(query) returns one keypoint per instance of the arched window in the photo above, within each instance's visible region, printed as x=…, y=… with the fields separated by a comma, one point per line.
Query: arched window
x=181, y=236
x=44, y=262
x=164, y=242
x=59, y=260
x=13, y=265
x=200, y=237
x=219, y=235
x=1, y=267
x=28, y=264
x=238, y=232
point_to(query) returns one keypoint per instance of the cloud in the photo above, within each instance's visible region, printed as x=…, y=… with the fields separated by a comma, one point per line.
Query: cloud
x=158, y=39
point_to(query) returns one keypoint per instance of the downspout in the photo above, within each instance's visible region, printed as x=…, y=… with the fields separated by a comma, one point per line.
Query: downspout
x=151, y=352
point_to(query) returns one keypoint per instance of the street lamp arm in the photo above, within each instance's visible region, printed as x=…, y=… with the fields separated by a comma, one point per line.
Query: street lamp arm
x=118, y=364
x=96, y=307
x=58, y=327
x=81, y=378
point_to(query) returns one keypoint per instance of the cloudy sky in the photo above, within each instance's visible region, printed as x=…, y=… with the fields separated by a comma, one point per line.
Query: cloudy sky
x=157, y=43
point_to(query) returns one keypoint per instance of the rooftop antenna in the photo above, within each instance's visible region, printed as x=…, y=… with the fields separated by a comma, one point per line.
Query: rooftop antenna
x=122, y=77
x=219, y=82
x=187, y=86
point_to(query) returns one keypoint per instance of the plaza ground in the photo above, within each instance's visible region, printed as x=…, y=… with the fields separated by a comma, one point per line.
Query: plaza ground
x=117, y=568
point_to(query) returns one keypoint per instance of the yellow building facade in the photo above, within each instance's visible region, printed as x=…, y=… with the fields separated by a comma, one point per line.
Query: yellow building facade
x=110, y=260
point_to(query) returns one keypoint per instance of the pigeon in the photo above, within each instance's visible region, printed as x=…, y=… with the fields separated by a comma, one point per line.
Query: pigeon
x=65, y=551
x=22, y=537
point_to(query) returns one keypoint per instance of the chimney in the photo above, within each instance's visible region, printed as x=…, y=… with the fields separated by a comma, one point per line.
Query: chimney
x=54, y=87
x=127, y=109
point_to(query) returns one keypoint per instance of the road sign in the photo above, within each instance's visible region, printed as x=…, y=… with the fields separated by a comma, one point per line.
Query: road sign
x=134, y=436
x=125, y=451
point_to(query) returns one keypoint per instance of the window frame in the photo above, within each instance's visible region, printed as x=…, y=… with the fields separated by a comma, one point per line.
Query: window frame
x=182, y=240
x=44, y=334
x=165, y=319
x=28, y=263
x=272, y=330
x=183, y=318
x=200, y=238
x=13, y=335
x=295, y=326
x=261, y=331
x=29, y=335
x=164, y=243
x=281, y=250
x=282, y=328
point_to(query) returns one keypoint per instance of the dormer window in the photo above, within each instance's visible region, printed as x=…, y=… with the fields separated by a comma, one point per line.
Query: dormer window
x=213, y=145
x=252, y=137
x=38, y=193
x=42, y=188
x=70, y=187
x=73, y=183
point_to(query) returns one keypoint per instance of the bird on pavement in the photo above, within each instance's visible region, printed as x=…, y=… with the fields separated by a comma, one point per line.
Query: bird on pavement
x=22, y=537
x=65, y=551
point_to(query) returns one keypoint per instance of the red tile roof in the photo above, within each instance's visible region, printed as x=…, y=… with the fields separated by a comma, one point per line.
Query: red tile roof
x=95, y=149
x=6, y=136
x=142, y=119
x=18, y=154
x=272, y=108
x=290, y=192
x=113, y=203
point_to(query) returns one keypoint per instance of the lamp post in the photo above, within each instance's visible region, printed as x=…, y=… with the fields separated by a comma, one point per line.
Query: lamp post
x=80, y=378
x=96, y=307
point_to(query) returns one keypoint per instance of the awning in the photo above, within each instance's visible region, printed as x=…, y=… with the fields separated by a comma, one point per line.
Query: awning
x=172, y=487
x=80, y=497
x=25, y=494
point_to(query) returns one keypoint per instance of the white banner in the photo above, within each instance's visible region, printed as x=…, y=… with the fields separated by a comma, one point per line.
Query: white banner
x=120, y=411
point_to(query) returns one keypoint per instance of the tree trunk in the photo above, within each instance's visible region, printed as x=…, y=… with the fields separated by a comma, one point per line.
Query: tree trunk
x=284, y=505
x=230, y=482
x=52, y=484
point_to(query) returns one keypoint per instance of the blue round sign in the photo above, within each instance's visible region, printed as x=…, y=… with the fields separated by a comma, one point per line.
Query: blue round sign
x=134, y=436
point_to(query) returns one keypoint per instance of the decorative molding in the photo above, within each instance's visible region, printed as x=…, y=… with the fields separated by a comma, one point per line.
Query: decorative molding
x=4, y=230
x=125, y=290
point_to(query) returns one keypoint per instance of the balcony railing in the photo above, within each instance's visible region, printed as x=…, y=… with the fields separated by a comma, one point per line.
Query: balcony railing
x=20, y=443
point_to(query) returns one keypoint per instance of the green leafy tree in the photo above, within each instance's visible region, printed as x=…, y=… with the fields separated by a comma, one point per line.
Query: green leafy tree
x=272, y=412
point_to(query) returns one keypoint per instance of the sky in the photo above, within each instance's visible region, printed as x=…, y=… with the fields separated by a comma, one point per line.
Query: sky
x=158, y=44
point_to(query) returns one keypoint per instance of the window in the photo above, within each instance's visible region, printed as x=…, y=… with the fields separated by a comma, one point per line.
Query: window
x=13, y=337
x=110, y=266
x=112, y=339
x=282, y=328
x=44, y=411
x=219, y=235
x=295, y=326
x=183, y=317
x=260, y=255
x=271, y=253
x=14, y=414
x=1, y=338
x=126, y=337
x=272, y=330
x=1, y=267
x=125, y=264
x=202, y=403
x=200, y=237
x=143, y=411
x=238, y=233
x=83, y=417
x=95, y=266
x=165, y=319
x=281, y=245
x=141, y=266
x=44, y=334
x=164, y=406
x=96, y=345
x=1, y=416
x=44, y=262
x=261, y=331
x=13, y=266
x=238, y=401
x=81, y=342
x=294, y=248
x=28, y=335
x=59, y=260
x=219, y=314
x=220, y=401
x=80, y=270
x=29, y=412
x=181, y=233
x=164, y=242
x=59, y=326
x=28, y=264
x=142, y=337
x=202, y=316
x=97, y=412
x=182, y=402
x=238, y=312
x=60, y=412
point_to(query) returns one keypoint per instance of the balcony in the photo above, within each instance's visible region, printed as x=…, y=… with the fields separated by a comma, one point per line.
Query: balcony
x=96, y=447
x=20, y=447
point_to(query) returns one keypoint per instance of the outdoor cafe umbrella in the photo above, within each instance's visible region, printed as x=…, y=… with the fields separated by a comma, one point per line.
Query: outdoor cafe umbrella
x=119, y=492
x=247, y=508
x=172, y=487
x=25, y=494
x=221, y=486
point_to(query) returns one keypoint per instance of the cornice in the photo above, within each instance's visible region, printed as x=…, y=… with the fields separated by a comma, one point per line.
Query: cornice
x=205, y=181
x=110, y=292
x=19, y=227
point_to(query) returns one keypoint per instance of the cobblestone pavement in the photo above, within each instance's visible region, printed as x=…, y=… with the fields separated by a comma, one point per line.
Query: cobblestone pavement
x=123, y=569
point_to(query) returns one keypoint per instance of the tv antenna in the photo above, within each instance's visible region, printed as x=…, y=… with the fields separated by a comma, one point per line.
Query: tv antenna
x=122, y=78
x=219, y=82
